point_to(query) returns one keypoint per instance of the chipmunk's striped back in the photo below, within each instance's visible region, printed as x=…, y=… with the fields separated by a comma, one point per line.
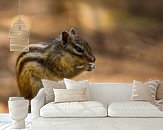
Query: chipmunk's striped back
x=25, y=67
x=35, y=54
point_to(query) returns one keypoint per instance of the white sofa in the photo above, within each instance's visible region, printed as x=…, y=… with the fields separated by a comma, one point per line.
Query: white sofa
x=116, y=113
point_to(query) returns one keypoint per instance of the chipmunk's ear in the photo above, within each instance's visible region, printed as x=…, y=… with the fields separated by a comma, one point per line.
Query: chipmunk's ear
x=65, y=36
x=72, y=31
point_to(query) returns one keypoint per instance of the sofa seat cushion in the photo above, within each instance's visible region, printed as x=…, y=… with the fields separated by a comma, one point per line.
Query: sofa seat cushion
x=133, y=109
x=74, y=109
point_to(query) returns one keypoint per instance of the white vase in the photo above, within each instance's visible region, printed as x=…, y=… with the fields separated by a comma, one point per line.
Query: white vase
x=18, y=110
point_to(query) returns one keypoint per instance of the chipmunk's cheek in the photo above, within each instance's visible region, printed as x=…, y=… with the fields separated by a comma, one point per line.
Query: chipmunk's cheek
x=66, y=62
x=90, y=66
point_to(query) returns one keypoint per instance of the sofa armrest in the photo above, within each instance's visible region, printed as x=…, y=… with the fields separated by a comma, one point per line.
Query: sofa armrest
x=36, y=103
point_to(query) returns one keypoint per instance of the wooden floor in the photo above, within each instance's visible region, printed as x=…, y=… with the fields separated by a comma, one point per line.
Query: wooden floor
x=8, y=126
x=6, y=122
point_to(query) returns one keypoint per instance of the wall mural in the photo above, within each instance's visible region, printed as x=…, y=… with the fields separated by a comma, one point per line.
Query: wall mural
x=126, y=38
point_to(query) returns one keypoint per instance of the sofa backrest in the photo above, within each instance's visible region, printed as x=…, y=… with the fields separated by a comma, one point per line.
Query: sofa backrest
x=109, y=92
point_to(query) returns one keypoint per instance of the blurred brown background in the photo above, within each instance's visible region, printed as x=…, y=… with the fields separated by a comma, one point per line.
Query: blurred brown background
x=126, y=36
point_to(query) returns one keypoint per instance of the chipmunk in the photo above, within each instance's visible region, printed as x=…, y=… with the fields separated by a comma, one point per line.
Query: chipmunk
x=66, y=56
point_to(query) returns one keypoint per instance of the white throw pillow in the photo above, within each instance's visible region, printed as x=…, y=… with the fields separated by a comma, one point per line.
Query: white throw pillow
x=49, y=85
x=144, y=91
x=70, y=95
x=71, y=84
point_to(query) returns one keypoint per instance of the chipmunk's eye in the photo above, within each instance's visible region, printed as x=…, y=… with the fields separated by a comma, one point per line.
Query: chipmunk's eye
x=78, y=49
